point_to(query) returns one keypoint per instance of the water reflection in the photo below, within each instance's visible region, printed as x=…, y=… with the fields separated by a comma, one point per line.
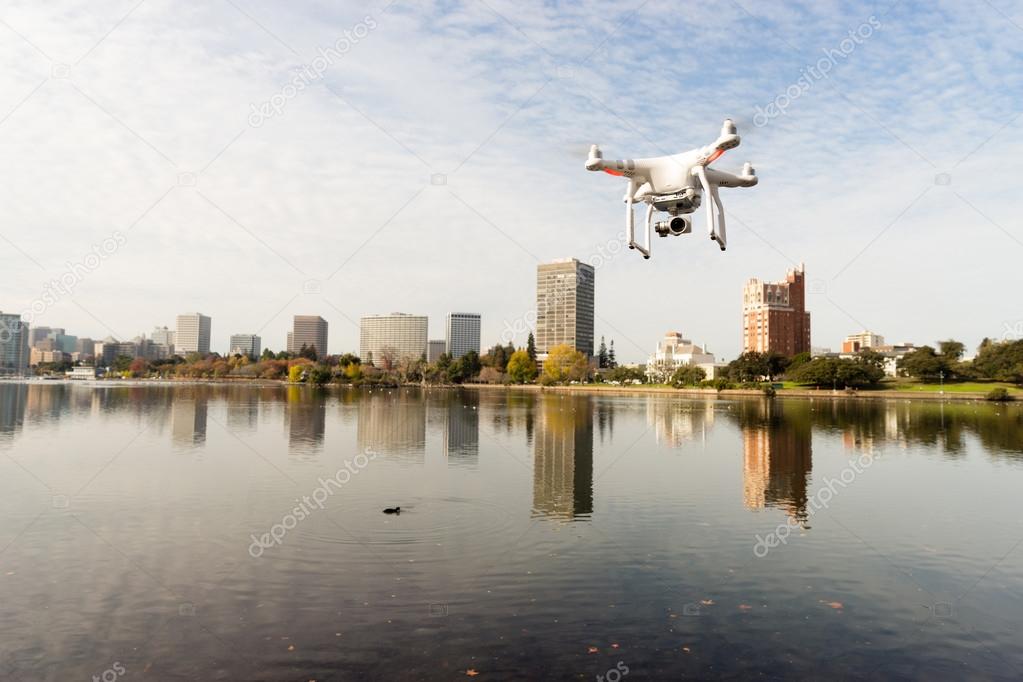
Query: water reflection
x=777, y=455
x=243, y=412
x=307, y=419
x=393, y=422
x=188, y=419
x=12, y=410
x=677, y=423
x=462, y=430
x=563, y=458
x=776, y=434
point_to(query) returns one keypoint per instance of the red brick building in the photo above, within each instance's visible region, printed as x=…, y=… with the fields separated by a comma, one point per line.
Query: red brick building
x=774, y=316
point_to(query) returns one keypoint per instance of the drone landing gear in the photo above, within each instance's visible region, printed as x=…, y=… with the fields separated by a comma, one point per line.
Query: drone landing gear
x=715, y=222
x=630, y=221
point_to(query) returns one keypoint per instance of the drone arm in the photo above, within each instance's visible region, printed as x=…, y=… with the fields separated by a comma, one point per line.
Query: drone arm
x=748, y=178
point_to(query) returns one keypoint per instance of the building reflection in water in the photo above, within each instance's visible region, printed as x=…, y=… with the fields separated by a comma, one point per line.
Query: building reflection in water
x=777, y=446
x=563, y=457
x=393, y=422
x=676, y=423
x=242, y=411
x=462, y=429
x=188, y=418
x=307, y=418
x=13, y=399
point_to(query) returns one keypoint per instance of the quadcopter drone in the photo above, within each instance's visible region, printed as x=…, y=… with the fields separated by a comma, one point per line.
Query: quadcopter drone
x=675, y=184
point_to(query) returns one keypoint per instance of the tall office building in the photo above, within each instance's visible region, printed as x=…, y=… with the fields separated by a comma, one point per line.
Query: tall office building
x=163, y=335
x=854, y=343
x=435, y=348
x=463, y=334
x=38, y=334
x=309, y=331
x=193, y=334
x=85, y=347
x=246, y=344
x=774, y=316
x=14, y=346
x=385, y=339
x=564, y=305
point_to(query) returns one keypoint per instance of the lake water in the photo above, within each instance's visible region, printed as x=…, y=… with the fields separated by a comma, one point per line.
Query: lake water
x=236, y=533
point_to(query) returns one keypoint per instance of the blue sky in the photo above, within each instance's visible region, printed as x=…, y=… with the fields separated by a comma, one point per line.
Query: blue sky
x=891, y=177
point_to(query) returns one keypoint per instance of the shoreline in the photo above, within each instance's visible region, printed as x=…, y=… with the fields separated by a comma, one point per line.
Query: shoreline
x=605, y=389
x=748, y=392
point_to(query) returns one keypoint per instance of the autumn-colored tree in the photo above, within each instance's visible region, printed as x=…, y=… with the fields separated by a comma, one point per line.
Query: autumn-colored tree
x=521, y=368
x=565, y=363
x=138, y=367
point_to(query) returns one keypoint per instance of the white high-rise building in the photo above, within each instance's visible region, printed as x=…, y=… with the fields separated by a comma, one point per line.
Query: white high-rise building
x=386, y=339
x=463, y=334
x=193, y=334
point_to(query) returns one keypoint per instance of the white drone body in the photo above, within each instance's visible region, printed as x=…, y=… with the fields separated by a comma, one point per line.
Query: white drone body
x=676, y=184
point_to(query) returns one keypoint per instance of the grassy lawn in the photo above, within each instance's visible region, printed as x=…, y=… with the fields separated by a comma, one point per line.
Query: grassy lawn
x=911, y=385
x=955, y=387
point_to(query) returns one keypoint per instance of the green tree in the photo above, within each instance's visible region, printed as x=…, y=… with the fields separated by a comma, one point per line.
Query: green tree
x=521, y=367
x=951, y=350
x=611, y=361
x=122, y=363
x=320, y=375
x=531, y=347
x=776, y=364
x=1001, y=360
x=688, y=375
x=797, y=360
x=464, y=368
x=602, y=355
x=837, y=373
x=748, y=367
x=626, y=375
x=348, y=359
x=871, y=357
x=308, y=352
x=496, y=357
x=924, y=364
